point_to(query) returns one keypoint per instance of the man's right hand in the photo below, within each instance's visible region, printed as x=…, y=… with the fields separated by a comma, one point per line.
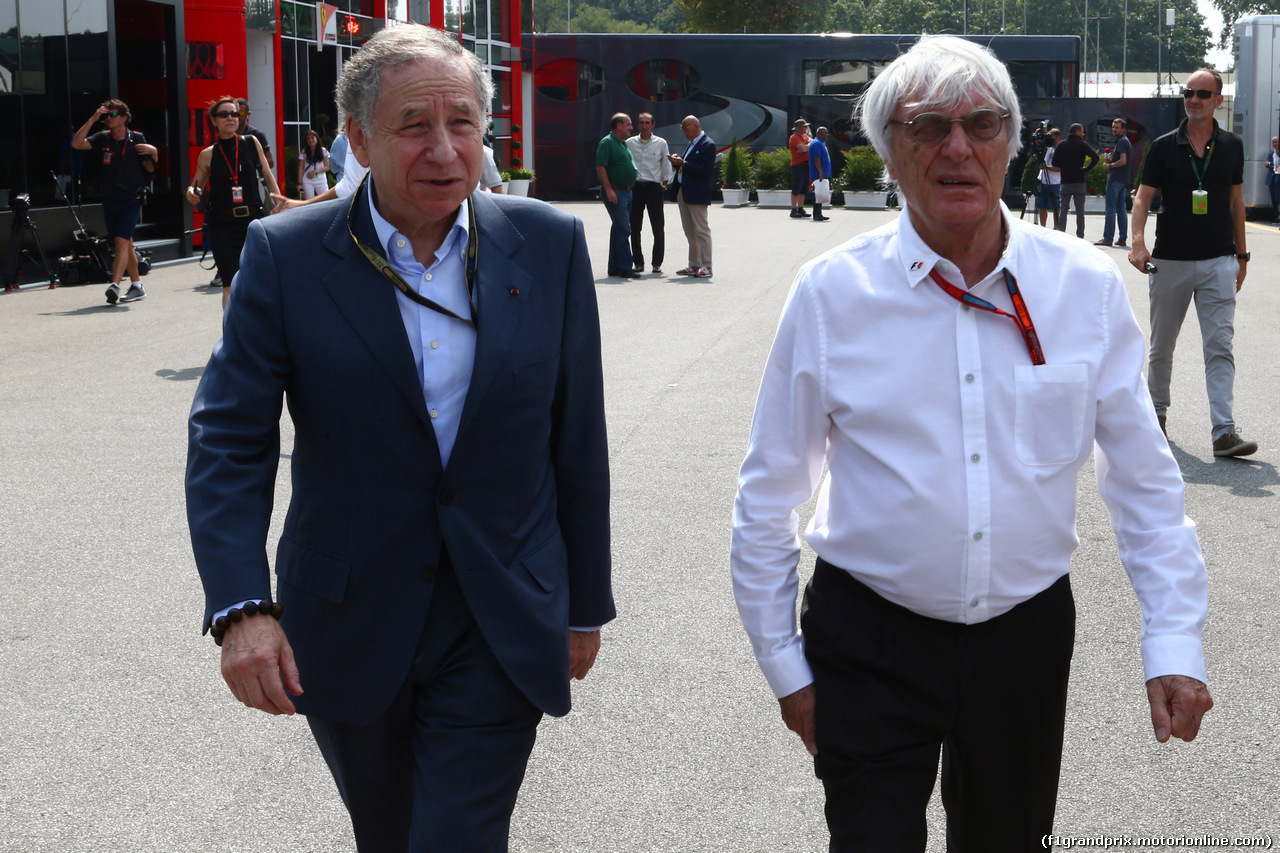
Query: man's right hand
x=255, y=657
x=1139, y=256
x=797, y=713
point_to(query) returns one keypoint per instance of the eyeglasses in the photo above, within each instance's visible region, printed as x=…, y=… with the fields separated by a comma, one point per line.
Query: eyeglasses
x=226, y=114
x=1202, y=94
x=933, y=128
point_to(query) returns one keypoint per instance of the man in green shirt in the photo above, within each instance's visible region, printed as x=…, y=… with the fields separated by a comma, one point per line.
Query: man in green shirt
x=617, y=172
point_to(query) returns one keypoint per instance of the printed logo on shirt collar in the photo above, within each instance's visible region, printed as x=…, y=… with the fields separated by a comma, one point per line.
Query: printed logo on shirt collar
x=918, y=265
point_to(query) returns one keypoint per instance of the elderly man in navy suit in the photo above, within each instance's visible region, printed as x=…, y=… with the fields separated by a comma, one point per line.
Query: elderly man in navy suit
x=694, y=171
x=444, y=567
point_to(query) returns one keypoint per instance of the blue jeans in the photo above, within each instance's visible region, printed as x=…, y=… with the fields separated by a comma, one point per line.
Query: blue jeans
x=620, y=231
x=1117, y=194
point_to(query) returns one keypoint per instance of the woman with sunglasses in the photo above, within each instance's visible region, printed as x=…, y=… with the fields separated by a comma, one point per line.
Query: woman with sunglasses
x=230, y=167
x=313, y=164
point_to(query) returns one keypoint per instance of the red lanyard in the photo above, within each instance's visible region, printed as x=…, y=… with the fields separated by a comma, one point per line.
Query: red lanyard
x=1022, y=317
x=235, y=176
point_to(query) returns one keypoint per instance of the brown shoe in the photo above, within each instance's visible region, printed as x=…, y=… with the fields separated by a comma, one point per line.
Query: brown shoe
x=1233, y=445
x=1161, y=419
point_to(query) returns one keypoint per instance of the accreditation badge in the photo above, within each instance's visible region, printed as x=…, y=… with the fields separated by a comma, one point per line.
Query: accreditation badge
x=237, y=195
x=1200, y=202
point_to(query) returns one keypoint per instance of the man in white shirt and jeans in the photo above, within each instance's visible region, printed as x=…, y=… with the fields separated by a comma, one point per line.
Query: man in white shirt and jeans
x=940, y=618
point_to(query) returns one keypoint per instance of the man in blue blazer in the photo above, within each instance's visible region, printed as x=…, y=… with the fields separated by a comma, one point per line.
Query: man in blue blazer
x=444, y=567
x=694, y=171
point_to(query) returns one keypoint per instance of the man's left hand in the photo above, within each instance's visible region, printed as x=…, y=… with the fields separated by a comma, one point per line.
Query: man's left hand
x=1243, y=268
x=1177, y=704
x=583, y=648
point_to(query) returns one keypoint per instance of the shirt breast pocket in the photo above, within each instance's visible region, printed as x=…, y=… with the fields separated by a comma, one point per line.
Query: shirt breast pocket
x=1050, y=404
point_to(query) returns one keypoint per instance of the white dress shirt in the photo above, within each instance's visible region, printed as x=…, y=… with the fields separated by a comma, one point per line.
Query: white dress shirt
x=651, y=159
x=952, y=458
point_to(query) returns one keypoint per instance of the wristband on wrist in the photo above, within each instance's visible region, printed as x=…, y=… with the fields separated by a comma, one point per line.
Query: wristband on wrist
x=264, y=608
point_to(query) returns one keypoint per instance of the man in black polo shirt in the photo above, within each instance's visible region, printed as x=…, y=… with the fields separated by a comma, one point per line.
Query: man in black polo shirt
x=126, y=160
x=1070, y=156
x=1199, y=252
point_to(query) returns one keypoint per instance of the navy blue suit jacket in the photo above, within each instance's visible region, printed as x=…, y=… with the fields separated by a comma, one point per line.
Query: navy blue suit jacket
x=698, y=171
x=522, y=507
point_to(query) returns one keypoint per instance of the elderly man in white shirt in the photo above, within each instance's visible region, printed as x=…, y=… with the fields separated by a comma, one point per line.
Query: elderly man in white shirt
x=953, y=370
x=654, y=172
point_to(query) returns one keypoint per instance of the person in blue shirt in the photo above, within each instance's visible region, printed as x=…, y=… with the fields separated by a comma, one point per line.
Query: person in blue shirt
x=819, y=167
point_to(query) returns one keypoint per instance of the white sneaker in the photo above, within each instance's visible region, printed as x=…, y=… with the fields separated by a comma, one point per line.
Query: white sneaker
x=135, y=293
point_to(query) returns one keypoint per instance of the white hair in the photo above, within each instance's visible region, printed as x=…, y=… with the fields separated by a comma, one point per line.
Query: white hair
x=938, y=72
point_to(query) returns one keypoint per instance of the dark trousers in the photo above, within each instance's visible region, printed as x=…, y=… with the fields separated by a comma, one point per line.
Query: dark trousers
x=440, y=769
x=226, y=239
x=895, y=688
x=647, y=196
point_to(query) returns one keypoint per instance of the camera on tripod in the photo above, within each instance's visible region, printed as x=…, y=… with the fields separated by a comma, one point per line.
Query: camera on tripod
x=1035, y=138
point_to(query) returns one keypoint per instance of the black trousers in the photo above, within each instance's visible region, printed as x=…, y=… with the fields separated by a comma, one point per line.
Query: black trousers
x=439, y=771
x=895, y=688
x=227, y=237
x=647, y=196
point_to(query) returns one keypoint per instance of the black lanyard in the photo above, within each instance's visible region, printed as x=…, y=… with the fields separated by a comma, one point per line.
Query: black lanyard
x=1022, y=317
x=381, y=265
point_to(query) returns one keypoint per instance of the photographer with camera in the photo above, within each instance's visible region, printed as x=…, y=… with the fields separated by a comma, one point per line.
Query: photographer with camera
x=127, y=162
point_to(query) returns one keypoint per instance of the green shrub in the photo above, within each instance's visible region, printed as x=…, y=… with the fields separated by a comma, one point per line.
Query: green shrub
x=863, y=170
x=1030, y=175
x=735, y=167
x=773, y=169
x=518, y=174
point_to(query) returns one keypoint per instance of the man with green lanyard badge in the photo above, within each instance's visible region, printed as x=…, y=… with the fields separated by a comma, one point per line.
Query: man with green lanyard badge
x=1199, y=252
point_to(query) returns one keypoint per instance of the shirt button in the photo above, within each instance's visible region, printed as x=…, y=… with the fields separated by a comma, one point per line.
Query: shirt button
x=967, y=307
x=968, y=377
x=435, y=345
x=974, y=458
x=434, y=413
x=973, y=603
x=400, y=244
x=426, y=276
x=977, y=537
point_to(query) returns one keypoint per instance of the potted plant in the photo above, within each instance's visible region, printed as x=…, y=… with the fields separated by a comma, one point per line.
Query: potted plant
x=773, y=178
x=1095, y=187
x=862, y=179
x=735, y=175
x=518, y=180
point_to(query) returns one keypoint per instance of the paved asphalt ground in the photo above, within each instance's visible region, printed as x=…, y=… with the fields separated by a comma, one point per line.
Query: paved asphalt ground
x=117, y=733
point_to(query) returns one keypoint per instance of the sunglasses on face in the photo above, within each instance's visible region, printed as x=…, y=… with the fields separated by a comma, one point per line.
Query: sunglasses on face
x=113, y=114
x=933, y=128
x=1202, y=94
x=225, y=114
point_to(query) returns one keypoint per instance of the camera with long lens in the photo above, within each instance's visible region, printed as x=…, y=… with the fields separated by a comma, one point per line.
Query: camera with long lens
x=20, y=204
x=1036, y=139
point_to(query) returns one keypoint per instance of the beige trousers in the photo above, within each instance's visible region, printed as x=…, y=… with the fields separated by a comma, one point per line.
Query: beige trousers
x=693, y=218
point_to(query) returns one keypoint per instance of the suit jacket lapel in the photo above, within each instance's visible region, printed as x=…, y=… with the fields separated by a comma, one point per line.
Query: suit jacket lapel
x=368, y=301
x=502, y=289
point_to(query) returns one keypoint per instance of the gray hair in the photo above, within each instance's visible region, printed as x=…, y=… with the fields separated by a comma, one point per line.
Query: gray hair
x=938, y=71
x=360, y=86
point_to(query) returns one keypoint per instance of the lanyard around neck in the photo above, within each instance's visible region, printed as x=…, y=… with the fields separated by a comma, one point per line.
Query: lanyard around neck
x=1207, y=157
x=381, y=265
x=235, y=174
x=1022, y=316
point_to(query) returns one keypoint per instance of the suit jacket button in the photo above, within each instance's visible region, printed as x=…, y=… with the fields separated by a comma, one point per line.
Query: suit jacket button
x=429, y=574
x=446, y=497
